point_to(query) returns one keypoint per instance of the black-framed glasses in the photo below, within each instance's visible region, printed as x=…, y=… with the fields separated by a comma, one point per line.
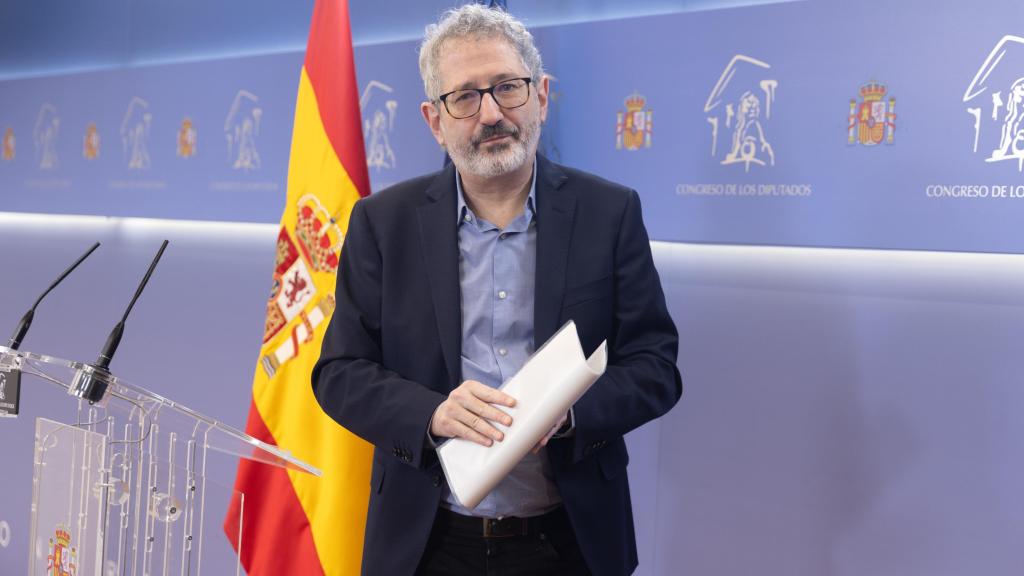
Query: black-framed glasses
x=464, y=103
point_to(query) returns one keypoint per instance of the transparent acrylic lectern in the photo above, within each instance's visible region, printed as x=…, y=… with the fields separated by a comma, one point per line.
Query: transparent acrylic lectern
x=123, y=485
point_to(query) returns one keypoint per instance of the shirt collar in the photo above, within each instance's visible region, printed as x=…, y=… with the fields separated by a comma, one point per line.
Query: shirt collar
x=462, y=209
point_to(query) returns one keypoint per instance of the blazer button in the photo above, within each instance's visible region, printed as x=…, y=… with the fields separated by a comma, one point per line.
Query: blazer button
x=437, y=480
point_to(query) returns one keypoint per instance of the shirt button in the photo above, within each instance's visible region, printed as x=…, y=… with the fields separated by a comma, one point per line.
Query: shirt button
x=502, y=351
x=502, y=294
x=467, y=218
x=502, y=236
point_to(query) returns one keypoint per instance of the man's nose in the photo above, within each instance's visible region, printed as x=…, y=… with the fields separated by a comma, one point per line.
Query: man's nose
x=490, y=112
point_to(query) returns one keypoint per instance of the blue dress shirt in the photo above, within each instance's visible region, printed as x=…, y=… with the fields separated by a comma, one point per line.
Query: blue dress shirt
x=496, y=277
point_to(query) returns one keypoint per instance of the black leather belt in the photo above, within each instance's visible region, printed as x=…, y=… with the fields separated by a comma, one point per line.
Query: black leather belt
x=507, y=527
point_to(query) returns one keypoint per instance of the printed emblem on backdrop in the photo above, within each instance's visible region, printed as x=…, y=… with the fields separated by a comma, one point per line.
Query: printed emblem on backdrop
x=378, y=124
x=91, y=142
x=738, y=108
x=3, y=386
x=45, y=135
x=8, y=144
x=633, y=127
x=242, y=128
x=872, y=120
x=317, y=243
x=135, y=134
x=62, y=556
x=186, y=139
x=995, y=99
x=548, y=136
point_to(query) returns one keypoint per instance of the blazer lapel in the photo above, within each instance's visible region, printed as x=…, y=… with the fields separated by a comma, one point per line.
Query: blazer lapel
x=440, y=242
x=555, y=211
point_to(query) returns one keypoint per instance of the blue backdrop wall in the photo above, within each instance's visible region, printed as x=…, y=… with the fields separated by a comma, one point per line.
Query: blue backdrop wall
x=797, y=123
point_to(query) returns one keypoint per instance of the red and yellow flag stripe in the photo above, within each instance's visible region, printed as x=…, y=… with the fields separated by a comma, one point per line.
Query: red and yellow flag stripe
x=295, y=523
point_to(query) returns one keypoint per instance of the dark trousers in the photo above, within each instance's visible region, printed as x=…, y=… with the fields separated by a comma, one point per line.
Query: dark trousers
x=545, y=545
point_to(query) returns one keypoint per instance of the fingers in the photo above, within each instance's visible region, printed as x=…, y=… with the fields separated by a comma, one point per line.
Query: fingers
x=467, y=432
x=484, y=393
x=547, y=437
x=479, y=399
x=478, y=423
x=544, y=441
x=453, y=421
x=469, y=413
x=480, y=409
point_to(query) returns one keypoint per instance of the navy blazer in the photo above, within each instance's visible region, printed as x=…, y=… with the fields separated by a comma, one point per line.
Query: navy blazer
x=391, y=352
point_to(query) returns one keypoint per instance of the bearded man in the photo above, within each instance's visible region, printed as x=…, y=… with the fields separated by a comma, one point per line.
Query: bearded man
x=448, y=282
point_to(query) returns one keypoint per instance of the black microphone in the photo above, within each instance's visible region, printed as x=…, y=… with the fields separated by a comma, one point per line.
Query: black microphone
x=26, y=320
x=86, y=385
x=10, y=368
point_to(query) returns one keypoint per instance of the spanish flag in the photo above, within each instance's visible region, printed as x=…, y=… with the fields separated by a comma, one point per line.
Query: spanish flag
x=295, y=523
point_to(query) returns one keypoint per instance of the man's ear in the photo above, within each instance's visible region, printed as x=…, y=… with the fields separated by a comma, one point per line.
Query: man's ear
x=542, y=97
x=432, y=116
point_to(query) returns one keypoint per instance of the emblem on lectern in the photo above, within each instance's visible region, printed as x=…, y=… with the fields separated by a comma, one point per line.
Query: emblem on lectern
x=61, y=558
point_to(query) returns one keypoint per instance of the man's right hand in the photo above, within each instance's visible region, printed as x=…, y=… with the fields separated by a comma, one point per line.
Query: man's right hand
x=469, y=411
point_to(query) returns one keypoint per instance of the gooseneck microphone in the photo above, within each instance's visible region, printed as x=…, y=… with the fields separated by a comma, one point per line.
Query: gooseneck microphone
x=86, y=384
x=10, y=370
x=107, y=354
x=26, y=320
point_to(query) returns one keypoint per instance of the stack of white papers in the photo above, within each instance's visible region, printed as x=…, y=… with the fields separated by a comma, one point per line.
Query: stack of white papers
x=551, y=381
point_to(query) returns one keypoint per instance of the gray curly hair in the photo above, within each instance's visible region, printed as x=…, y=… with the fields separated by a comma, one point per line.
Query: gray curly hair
x=474, y=21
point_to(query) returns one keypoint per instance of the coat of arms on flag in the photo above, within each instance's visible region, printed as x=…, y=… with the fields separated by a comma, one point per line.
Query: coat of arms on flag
x=318, y=242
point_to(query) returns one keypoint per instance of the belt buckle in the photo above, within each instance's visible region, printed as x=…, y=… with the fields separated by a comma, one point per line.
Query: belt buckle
x=504, y=528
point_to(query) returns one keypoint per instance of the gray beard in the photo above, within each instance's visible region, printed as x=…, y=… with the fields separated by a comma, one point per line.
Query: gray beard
x=499, y=160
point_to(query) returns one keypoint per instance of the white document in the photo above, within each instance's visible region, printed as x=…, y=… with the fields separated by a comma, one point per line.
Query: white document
x=551, y=381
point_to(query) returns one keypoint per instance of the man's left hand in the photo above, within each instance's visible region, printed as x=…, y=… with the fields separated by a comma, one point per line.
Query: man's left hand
x=554, y=429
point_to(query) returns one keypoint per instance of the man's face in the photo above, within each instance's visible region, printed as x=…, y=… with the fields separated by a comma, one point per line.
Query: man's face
x=496, y=140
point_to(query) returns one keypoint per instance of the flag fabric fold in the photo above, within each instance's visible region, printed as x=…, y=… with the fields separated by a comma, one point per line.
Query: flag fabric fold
x=291, y=522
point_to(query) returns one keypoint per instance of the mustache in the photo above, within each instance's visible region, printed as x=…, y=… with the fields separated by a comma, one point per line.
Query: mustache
x=499, y=129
